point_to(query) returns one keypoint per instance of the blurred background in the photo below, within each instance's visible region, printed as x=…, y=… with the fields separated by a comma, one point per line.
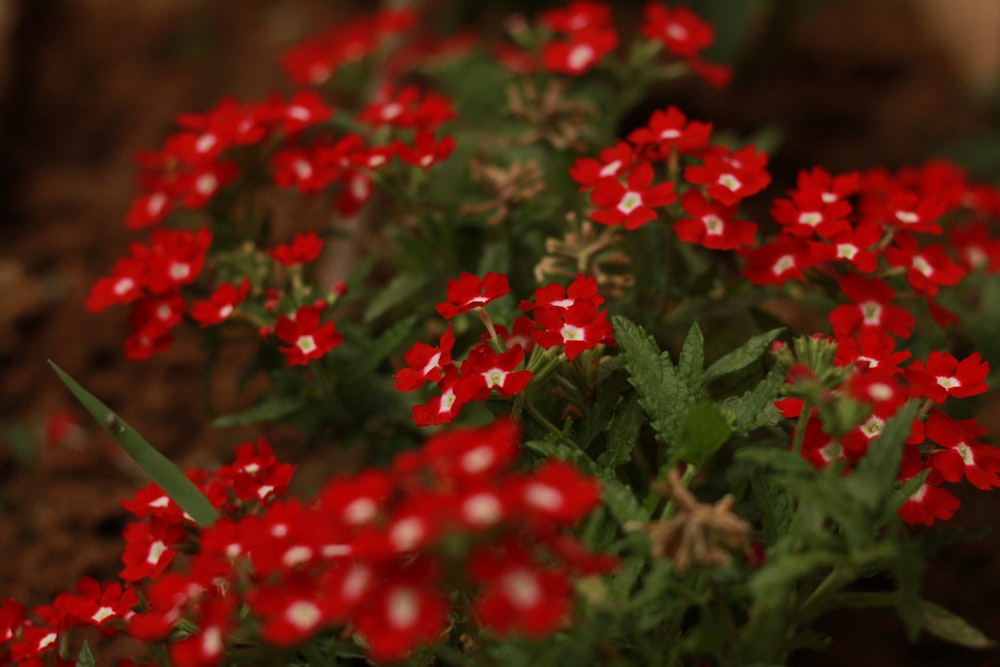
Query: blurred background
x=84, y=84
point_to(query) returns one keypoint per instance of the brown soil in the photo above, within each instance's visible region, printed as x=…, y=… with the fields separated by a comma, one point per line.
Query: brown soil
x=90, y=82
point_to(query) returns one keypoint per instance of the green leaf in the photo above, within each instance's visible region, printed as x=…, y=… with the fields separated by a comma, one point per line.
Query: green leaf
x=402, y=287
x=375, y=352
x=755, y=408
x=945, y=625
x=743, y=356
x=872, y=480
x=85, y=658
x=159, y=468
x=705, y=430
x=270, y=409
x=691, y=362
x=624, y=432
x=664, y=396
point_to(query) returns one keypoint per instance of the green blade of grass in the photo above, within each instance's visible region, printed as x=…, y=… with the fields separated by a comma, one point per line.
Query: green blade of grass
x=159, y=468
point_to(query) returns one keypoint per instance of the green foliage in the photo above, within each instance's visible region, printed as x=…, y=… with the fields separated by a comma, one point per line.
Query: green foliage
x=159, y=468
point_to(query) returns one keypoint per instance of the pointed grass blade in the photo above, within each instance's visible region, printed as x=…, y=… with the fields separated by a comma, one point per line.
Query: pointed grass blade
x=159, y=468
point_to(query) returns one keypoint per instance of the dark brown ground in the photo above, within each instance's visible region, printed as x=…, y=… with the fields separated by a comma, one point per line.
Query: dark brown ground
x=89, y=82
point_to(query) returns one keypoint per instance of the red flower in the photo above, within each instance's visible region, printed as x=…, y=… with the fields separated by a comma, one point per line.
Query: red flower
x=680, y=30
x=304, y=248
x=871, y=309
x=443, y=408
x=557, y=492
x=426, y=151
x=853, y=246
x=831, y=188
x=782, y=259
x=577, y=16
x=307, y=338
x=712, y=224
x=470, y=292
x=730, y=177
x=963, y=455
x=582, y=51
x=670, y=131
x=403, y=613
x=630, y=206
x=578, y=328
x=301, y=169
x=148, y=548
x=425, y=363
x=943, y=375
x=806, y=213
x=927, y=268
x=97, y=603
x=930, y=501
x=485, y=371
x=517, y=593
x=221, y=304
x=614, y=161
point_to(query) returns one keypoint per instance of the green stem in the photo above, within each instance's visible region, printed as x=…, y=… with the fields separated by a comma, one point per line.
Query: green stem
x=540, y=418
x=815, y=604
x=800, y=427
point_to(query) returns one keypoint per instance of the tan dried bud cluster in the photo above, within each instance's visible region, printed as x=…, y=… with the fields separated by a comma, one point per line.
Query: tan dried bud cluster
x=697, y=533
x=552, y=117
x=510, y=186
x=590, y=249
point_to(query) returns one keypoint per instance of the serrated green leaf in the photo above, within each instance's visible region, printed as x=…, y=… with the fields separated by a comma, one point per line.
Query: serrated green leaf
x=399, y=289
x=375, y=352
x=270, y=409
x=755, y=408
x=662, y=394
x=691, y=362
x=159, y=468
x=624, y=432
x=741, y=357
x=953, y=628
x=705, y=430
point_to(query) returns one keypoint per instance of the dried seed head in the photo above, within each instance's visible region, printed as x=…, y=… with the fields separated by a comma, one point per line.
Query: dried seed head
x=697, y=533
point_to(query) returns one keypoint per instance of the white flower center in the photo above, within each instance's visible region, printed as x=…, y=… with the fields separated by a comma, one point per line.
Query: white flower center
x=156, y=550
x=404, y=608
x=730, y=182
x=297, y=555
x=482, y=509
x=179, y=270
x=581, y=56
x=611, y=168
x=495, y=377
x=407, y=533
x=923, y=266
x=448, y=399
x=206, y=184
x=810, y=218
x=478, y=459
x=948, y=382
x=784, y=263
x=360, y=511
x=907, y=217
x=543, y=496
x=570, y=332
x=521, y=586
x=303, y=614
x=299, y=113
x=102, y=614
x=847, y=250
x=872, y=313
x=306, y=344
x=630, y=201
x=713, y=225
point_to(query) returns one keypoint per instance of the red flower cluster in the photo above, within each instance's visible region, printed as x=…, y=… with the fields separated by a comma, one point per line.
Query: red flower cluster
x=563, y=317
x=621, y=181
x=585, y=35
x=371, y=555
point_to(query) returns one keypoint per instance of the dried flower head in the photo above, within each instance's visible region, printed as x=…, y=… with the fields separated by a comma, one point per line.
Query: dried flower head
x=550, y=115
x=510, y=186
x=696, y=533
x=589, y=249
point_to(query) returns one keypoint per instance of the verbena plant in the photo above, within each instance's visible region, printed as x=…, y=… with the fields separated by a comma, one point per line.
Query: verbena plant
x=595, y=434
